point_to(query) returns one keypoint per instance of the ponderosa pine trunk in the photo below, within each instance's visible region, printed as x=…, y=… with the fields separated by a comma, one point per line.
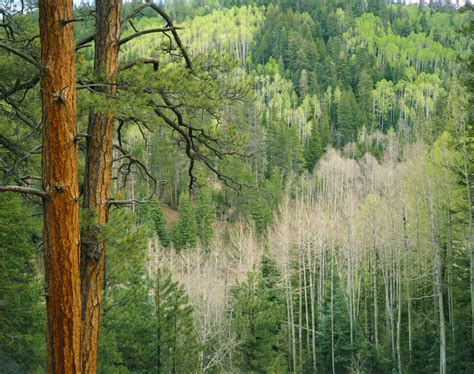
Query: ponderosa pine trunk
x=97, y=178
x=59, y=178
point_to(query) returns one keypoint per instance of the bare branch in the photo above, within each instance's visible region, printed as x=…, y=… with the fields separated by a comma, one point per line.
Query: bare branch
x=176, y=37
x=85, y=42
x=132, y=201
x=134, y=160
x=26, y=190
x=141, y=60
x=149, y=31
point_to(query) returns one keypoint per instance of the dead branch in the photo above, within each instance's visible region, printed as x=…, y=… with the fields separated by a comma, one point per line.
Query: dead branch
x=25, y=190
x=141, y=60
x=145, y=32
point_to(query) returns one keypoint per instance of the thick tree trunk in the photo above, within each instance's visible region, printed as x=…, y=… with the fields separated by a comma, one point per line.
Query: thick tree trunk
x=97, y=179
x=59, y=169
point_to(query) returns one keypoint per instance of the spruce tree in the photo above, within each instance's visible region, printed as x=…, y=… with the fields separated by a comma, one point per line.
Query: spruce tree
x=314, y=149
x=176, y=339
x=335, y=333
x=364, y=96
x=349, y=118
x=205, y=216
x=325, y=131
x=185, y=230
x=258, y=310
x=159, y=223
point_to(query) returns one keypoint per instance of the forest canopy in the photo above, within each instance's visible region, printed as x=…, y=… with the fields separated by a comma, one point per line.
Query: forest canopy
x=233, y=186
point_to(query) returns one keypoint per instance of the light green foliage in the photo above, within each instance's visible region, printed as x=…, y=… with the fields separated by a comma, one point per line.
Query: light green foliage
x=281, y=83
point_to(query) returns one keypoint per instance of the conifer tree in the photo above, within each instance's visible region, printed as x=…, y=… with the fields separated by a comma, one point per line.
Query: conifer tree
x=185, y=230
x=159, y=223
x=335, y=333
x=349, y=119
x=314, y=149
x=258, y=313
x=176, y=341
x=325, y=131
x=205, y=216
x=364, y=96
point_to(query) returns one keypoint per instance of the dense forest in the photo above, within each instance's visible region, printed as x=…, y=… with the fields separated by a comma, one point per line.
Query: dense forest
x=236, y=186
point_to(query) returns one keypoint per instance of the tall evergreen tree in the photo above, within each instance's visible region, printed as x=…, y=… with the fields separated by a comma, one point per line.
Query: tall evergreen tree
x=314, y=149
x=205, y=216
x=348, y=117
x=258, y=312
x=185, y=230
x=364, y=96
x=159, y=223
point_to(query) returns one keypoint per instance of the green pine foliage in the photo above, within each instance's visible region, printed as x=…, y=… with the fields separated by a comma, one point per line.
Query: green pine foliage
x=22, y=311
x=290, y=90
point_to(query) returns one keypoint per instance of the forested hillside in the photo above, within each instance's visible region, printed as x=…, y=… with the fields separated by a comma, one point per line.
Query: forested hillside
x=247, y=187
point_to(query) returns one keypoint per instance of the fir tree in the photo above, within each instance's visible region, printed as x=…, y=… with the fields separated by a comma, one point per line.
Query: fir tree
x=177, y=347
x=325, y=131
x=205, y=216
x=349, y=118
x=185, y=230
x=314, y=149
x=364, y=96
x=258, y=312
x=159, y=223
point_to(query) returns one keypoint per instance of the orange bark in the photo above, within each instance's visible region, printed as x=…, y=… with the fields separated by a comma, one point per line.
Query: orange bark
x=59, y=169
x=97, y=178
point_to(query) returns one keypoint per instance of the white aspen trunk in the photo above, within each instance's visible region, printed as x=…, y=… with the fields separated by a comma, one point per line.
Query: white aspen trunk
x=408, y=294
x=333, y=358
x=399, y=320
x=311, y=290
x=376, y=307
x=438, y=285
x=300, y=310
